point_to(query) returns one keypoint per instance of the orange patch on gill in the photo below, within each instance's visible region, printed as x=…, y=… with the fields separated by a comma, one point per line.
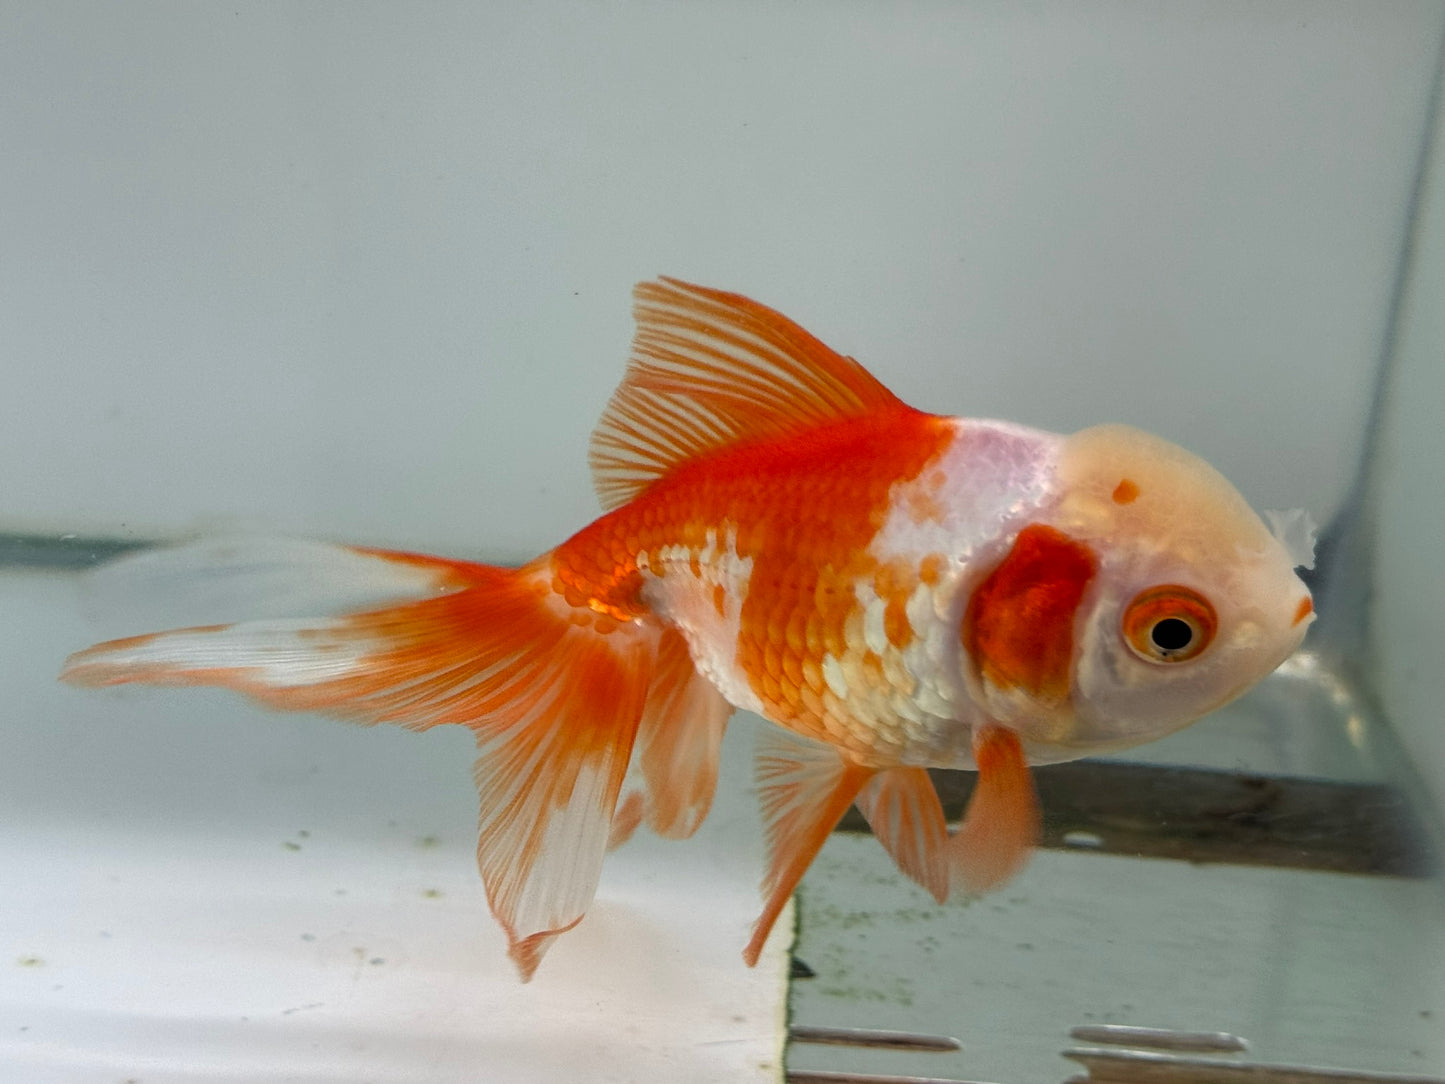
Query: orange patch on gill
x=1126, y=492
x=1306, y=607
x=1019, y=626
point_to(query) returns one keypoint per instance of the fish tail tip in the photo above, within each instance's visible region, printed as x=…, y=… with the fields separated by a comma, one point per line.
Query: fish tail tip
x=98, y=665
x=754, y=950
x=527, y=953
x=82, y=669
x=625, y=820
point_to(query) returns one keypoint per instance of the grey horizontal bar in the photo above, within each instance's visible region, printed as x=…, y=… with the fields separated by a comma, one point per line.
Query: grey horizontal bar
x=1137, y=1067
x=61, y=552
x=886, y=1040
x=1200, y=1042
x=1206, y=815
x=822, y=1076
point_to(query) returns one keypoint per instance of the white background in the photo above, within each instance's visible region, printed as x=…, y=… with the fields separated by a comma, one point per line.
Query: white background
x=362, y=270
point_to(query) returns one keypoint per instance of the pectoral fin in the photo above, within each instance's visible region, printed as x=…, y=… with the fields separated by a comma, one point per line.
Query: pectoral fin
x=1001, y=824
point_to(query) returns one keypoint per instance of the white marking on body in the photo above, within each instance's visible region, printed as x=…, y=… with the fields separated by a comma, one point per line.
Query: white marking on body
x=834, y=677
x=689, y=602
x=988, y=480
x=874, y=633
x=987, y=475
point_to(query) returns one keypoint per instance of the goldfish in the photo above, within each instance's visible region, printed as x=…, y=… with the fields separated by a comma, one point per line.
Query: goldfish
x=894, y=590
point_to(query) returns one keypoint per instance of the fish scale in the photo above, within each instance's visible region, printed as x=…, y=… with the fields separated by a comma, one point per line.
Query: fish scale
x=813, y=506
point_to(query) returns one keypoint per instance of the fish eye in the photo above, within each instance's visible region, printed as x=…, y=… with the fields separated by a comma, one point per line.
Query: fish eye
x=1169, y=624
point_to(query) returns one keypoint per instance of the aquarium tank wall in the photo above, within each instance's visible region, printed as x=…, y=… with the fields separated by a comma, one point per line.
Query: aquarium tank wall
x=362, y=273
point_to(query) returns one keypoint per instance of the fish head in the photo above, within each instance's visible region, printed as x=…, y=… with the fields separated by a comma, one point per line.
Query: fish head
x=1191, y=600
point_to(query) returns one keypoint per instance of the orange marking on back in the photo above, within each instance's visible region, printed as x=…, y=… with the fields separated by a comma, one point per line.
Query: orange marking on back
x=1306, y=607
x=1019, y=626
x=711, y=369
x=1126, y=492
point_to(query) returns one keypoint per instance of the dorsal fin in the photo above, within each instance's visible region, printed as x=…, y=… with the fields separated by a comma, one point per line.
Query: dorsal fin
x=709, y=369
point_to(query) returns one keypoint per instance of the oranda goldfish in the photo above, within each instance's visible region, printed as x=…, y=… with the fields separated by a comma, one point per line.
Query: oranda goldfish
x=894, y=590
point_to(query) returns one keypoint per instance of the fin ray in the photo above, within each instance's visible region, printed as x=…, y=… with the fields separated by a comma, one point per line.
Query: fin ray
x=554, y=704
x=709, y=369
x=902, y=807
x=230, y=578
x=548, y=794
x=804, y=788
x=680, y=741
x=1001, y=824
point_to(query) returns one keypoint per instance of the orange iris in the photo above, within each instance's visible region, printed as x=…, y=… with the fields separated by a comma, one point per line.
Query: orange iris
x=1169, y=623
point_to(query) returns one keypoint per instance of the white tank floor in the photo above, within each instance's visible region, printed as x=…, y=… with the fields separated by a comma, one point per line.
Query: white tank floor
x=194, y=889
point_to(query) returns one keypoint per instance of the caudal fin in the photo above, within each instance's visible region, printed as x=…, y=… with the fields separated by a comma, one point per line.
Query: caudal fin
x=554, y=700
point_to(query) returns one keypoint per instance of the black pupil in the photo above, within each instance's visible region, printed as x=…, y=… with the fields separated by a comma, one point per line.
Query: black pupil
x=1171, y=634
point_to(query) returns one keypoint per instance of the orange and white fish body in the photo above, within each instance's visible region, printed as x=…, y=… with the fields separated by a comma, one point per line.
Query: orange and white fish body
x=896, y=590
